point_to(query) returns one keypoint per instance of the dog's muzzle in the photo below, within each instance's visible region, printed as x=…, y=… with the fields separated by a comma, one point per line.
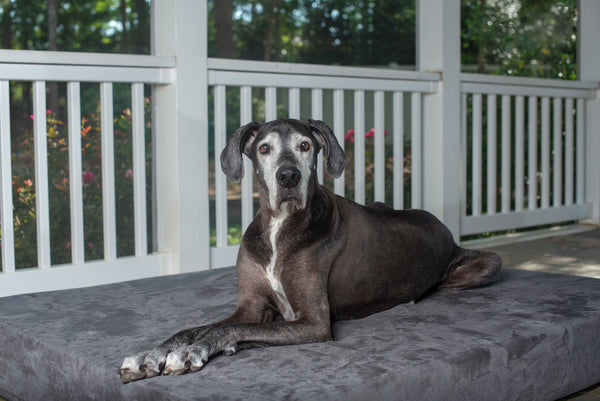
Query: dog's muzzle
x=288, y=180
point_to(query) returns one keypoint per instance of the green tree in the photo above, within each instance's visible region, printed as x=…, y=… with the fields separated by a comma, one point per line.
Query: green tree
x=347, y=32
x=526, y=38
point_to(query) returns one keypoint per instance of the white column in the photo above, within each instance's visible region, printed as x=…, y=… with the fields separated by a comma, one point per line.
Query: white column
x=588, y=66
x=181, y=135
x=438, y=50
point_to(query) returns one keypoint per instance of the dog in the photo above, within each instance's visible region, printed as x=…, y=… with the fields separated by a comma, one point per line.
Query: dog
x=310, y=257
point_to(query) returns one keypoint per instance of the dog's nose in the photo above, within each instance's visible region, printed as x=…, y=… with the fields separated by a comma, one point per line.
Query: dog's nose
x=288, y=177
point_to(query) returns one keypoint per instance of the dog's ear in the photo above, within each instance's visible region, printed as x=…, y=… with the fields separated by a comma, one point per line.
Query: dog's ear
x=336, y=158
x=231, y=157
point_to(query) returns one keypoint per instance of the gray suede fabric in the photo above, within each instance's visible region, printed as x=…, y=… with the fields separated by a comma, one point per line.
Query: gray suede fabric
x=526, y=336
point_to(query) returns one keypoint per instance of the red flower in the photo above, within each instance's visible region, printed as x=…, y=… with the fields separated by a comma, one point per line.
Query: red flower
x=371, y=133
x=88, y=177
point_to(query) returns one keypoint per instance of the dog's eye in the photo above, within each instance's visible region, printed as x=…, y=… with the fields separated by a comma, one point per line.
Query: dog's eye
x=264, y=149
x=305, y=146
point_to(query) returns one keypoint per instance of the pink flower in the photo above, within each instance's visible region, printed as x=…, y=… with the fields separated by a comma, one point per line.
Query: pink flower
x=349, y=136
x=48, y=111
x=28, y=182
x=31, y=116
x=68, y=246
x=128, y=173
x=371, y=133
x=127, y=111
x=88, y=177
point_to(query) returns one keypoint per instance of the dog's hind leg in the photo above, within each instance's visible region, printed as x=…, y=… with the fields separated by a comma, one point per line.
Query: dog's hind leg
x=470, y=268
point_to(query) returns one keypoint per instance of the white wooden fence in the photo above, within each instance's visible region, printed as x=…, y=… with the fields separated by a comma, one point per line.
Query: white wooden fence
x=357, y=99
x=39, y=68
x=516, y=159
x=524, y=152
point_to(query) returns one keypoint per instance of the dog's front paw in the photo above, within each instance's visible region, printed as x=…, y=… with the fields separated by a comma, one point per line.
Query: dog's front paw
x=186, y=359
x=143, y=365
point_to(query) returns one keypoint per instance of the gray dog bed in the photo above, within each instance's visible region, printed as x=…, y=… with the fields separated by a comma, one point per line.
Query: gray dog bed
x=527, y=335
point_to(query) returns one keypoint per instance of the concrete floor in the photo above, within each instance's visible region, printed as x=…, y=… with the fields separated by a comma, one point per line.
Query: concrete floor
x=576, y=254
x=574, y=251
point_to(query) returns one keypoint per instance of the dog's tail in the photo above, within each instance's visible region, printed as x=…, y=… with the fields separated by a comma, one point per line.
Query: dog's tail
x=471, y=268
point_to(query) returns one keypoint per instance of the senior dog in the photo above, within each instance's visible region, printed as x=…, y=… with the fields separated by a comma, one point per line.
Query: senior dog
x=310, y=257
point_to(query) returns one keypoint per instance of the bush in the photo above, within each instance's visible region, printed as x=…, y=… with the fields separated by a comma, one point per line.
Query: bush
x=58, y=177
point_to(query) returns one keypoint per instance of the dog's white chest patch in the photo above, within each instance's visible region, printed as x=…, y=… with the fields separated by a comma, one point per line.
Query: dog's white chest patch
x=274, y=228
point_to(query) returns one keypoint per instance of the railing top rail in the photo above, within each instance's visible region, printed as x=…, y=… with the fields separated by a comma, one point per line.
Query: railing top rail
x=520, y=86
x=85, y=59
x=526, y=81
x=29, y=65
x=318, y=70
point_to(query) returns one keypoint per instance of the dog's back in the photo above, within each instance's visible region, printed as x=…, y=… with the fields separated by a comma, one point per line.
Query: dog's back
x=394, y=256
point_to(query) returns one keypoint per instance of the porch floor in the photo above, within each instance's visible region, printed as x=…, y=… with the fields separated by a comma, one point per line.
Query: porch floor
x=575, y=254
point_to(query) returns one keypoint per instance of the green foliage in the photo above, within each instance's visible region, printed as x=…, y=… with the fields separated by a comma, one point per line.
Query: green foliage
x=90, y=26
x=526, y=38
x=370, y=169
x=508, y=37
x=347, y=32
x=58, y=172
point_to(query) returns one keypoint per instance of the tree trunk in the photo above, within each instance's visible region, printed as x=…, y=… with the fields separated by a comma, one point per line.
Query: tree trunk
x=7, y=6
x=125, y=34
x=142, y=37
x=273, y=37
x=52, y=45
x=224, y=28
x=481, y=47
x=276, y=53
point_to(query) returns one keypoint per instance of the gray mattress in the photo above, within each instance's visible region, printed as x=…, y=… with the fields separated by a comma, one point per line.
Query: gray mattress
x=527, y=336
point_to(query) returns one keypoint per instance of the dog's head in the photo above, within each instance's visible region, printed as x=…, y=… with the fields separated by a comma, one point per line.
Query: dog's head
x=284, y=155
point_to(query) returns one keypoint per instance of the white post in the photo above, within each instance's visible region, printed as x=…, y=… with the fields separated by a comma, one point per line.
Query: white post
x=438, y=50
x=588, y=66
x=181, y=135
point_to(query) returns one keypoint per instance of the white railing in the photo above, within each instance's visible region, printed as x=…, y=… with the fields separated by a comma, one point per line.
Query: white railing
x=524, y=152
x=384, y=104
x=522, y=145
x=40, y=68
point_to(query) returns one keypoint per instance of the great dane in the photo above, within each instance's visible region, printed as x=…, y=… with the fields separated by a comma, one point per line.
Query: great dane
x=310, y=257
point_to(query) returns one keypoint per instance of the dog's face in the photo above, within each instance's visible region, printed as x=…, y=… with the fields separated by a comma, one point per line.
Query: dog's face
x=284, y=154
x=284, y=160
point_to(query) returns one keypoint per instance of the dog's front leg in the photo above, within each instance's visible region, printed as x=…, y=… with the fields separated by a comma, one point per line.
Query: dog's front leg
x=312, y=324
x=152, y=362
x=227, y=339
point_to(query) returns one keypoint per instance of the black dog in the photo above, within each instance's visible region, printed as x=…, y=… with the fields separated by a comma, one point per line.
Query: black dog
x=310, y=256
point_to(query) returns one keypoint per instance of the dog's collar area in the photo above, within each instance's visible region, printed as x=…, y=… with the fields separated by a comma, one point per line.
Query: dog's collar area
x=290, y=203
x=285, y=209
